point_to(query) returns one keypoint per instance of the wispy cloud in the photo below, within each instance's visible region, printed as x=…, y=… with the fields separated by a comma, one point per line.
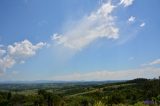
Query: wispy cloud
x=17, y=53
x=99, y=24
x=147, y=72
x=142, y=24
x=157, y=61
x=126, y=3
x=154, y=62
x=131, y=58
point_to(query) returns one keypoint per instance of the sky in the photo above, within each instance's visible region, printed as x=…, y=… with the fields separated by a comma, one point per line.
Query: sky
x=79, y=40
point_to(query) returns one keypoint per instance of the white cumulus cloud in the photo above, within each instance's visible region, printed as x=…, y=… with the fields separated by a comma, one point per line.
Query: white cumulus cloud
x=2, y=52
x=6, y=62
x=17, y=53
x=126, y=3
x=99, y=24
x=131, y=19
x=23, y=49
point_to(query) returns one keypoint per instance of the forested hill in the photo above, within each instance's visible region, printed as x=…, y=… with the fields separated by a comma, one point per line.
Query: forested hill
x=137, y=92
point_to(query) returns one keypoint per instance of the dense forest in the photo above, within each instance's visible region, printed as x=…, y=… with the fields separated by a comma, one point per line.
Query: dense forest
x=137, y=92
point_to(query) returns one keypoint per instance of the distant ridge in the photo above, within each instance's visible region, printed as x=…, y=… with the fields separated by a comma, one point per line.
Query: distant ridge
x=50, y=81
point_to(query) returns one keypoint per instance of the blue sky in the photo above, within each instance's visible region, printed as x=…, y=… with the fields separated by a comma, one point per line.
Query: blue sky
x=79, y=39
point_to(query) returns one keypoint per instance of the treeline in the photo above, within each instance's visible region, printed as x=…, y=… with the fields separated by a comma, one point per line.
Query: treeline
x=137, y=92
x=42, y=98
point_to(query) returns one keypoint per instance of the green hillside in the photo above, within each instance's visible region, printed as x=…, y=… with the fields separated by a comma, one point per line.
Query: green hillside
x=137, y=92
